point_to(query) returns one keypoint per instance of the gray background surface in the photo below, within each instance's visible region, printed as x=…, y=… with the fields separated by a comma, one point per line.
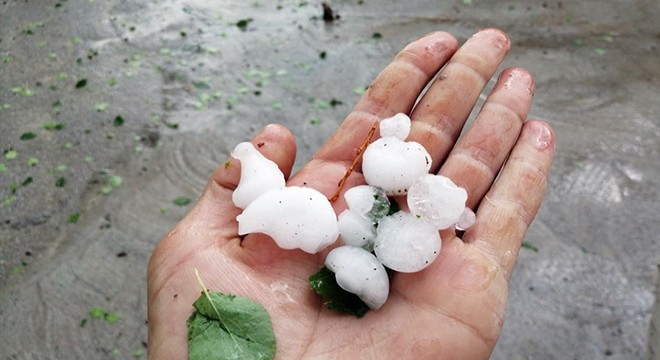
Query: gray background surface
x=189, y=84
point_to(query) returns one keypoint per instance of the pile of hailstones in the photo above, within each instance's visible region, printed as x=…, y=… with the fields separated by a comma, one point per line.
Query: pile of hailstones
x=301, y=217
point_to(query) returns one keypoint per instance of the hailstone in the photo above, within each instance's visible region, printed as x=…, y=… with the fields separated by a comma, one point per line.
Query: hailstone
x=359, y=272
x=437, y=199
x=391, y=163
x=406, y=243
x=295, y=217
x=258, y=175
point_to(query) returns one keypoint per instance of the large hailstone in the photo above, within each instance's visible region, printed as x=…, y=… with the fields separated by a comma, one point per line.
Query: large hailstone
x=359, y=272
x=437, y=199
x=406, y=243
x=295, y=217
x=258, y=175
x=392, y=163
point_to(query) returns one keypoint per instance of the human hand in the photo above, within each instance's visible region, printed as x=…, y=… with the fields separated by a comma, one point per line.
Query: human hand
x=452, y=309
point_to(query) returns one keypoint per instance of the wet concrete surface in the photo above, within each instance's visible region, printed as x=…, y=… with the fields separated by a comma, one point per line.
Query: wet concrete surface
x=110, y=110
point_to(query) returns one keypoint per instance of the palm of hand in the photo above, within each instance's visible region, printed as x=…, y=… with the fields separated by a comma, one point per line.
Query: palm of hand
x=452, y=309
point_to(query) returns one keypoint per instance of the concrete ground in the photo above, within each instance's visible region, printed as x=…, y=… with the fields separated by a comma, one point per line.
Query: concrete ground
x=111, y=110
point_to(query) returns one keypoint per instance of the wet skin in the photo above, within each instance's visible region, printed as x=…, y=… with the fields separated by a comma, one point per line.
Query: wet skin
x=452, y=309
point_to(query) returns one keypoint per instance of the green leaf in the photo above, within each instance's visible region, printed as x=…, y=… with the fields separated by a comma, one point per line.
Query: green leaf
x=181, y=201
x=101, y=106
x=336, y=298
x=243, y=23
x=97, y=313
x=33, y=161
x=81, y=83
x=3, y=168
x=60, y=182
x=28, y=136
x=118, y=121
x=530, y=246
x=53, y=125
x=11, y=154
x=229, y=327
x=73, y=218
x=111, y=317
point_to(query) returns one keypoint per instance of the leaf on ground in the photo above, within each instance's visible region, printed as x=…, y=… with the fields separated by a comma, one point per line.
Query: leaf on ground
x=528, y=245
x=181, y=201
x=229, y=327
x=335, y=298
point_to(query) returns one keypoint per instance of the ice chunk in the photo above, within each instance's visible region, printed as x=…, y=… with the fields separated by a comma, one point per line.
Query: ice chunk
x=359, y=272
x=437, y=199
x=356, y=230
x=369, y=201
x=397, y=126
x=394, y=165
x=406, y=243
x=466, y=219
x=295, y=217
x=258, y=175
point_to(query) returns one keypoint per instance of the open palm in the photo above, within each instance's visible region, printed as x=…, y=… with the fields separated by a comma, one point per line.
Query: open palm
x=454, y=309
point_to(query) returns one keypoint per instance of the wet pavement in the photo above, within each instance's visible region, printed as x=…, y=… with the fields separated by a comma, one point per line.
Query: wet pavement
x=114, y=113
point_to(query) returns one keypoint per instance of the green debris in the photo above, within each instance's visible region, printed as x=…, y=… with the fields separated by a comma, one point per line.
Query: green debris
x=181, y=201
x=528, y=245
x=600, y=51
x=118, y=121
x=101, y=313
x=3, y=168
x=8, y=201
x=31, y=27
x=81, y=83
x=360, y=90
x=62, y=76
x=112, y=182
x=53, y=125
x=27, y=181
x=243, y=23
x=22, y=91
x=101, y=106
x=315, y=120
x=202, y=85
x=11, y=154
x=60, y=182
x=73, y=218
x=322, y=55
x=28, y=136
x=33, y=161
x=277, y=105
x=376, y=36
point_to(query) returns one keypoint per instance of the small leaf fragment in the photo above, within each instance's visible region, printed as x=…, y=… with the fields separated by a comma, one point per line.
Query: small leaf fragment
x=530, y=246
x=81, y=83
x=181, y=201
x=28, y=135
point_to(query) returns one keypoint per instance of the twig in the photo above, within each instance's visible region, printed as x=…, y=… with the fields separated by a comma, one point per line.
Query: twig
x=350, y=169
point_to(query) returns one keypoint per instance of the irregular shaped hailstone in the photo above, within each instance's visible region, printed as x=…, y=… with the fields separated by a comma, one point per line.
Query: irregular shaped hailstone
x=397, y=126
x=258, y=175
x=369, y=201
x=356, y=230
x=406, y=243
x=391, y=163
x=359, y=272
x=295, y=217
x=437, y=199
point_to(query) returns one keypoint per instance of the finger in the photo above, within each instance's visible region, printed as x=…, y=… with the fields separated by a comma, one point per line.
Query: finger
x=394, y=90
x=275, y=142
x=442, y=112
x=477, y=158
x=514, y=199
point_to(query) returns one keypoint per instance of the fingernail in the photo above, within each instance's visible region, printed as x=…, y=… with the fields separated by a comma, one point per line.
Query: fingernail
x=541, y=135
x=519, y=79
